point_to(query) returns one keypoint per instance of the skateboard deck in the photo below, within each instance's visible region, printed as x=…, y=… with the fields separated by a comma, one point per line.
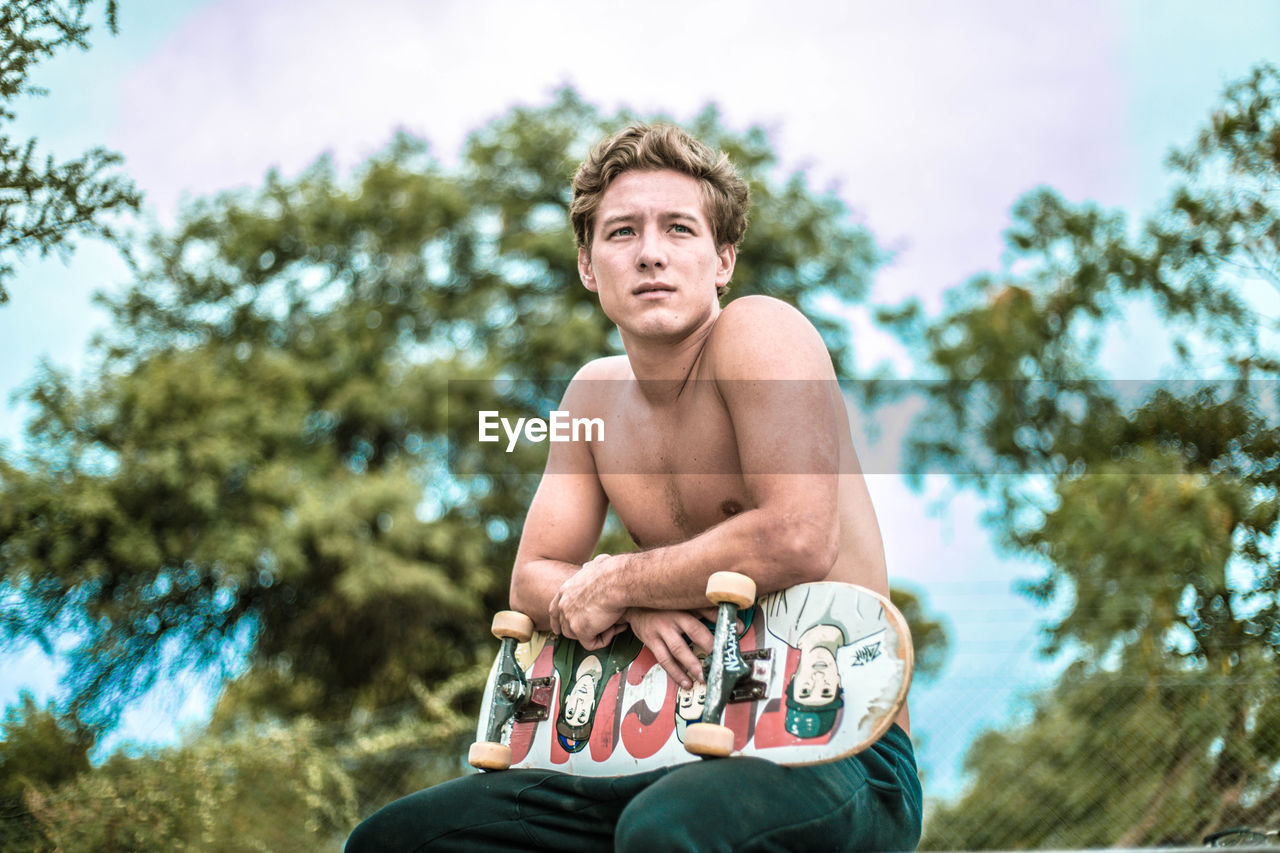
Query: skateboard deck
x=829, y=668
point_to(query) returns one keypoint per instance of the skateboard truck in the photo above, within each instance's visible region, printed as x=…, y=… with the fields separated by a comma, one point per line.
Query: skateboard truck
x=514, y=695
x=754, y=686
x=726, y=667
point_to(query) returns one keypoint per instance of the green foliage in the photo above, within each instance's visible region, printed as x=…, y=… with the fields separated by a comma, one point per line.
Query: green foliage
x=44, y=204
x=38, y=747
x=277, y=789
x=272, y=787
x=1095, y=768
x=1152, y=505
x=1166, y=584
x=928, y=636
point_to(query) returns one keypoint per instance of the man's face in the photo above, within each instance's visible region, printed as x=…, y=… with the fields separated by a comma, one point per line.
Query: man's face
x=580, y=701
x=817, y=680
x=691, y=703
x=653, y=258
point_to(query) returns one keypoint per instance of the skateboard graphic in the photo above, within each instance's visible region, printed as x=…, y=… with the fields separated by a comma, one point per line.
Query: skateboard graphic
x=806, y=675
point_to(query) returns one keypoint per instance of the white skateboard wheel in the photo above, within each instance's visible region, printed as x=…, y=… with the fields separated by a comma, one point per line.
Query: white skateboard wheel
x=510, y=623
x=709, y=739
x=485, y=755
x=737, y=589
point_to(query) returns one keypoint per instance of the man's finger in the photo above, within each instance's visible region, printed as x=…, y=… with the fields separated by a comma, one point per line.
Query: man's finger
x=554, y=615
x=677, y=644
x=672, y=667
x=700, y=636
x=689, y=661
x=607, y=636
x=602, y=639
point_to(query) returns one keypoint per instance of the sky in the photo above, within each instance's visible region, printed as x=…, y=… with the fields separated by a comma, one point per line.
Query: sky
x=929, y=119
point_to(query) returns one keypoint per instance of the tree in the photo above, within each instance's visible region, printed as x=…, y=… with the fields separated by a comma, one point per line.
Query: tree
x=1153, y=506
x=38, y=748
x=44, y=205
x=262, y=464
x=279, y=789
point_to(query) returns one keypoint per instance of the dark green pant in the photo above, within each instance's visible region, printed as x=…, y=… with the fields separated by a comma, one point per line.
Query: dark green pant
x=871, y=801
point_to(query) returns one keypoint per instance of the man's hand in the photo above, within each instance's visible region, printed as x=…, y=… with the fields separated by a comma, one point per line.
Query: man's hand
x=668, y=634
x=579, y=612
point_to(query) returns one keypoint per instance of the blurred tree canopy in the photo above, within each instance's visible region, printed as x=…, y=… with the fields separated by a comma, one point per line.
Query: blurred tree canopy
x=44, y=204
x=258, y=468
x=1153, y=506
x=278, y=789
x=38, y=749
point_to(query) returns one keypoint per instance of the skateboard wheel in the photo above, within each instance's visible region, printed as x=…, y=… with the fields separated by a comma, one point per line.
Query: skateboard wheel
x=731, y=587
x=709, y=739
x=510, y=623
x=485, y=755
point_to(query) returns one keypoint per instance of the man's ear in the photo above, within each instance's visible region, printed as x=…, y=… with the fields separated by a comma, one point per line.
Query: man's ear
x=584, y=270
x=728, y=255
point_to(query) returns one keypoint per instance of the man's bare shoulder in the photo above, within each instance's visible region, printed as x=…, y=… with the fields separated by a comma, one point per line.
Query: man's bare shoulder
x=607, y=367
x=759, y=337
x=596, y=381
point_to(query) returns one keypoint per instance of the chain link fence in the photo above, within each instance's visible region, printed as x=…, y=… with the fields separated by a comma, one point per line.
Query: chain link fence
x=1147, y=749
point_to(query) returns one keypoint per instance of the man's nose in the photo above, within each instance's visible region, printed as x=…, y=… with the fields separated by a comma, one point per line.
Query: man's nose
x=652, y=251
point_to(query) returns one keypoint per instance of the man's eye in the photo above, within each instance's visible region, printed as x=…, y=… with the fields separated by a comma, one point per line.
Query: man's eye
x=682, y=229
x=624, y=231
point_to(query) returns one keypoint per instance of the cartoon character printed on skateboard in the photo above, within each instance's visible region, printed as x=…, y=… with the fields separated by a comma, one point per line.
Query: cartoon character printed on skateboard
x=583, y=675
x=808, y=618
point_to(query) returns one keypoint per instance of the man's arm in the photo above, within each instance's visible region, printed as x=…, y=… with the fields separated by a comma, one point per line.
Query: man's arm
x=565, y=519
x=778, y=385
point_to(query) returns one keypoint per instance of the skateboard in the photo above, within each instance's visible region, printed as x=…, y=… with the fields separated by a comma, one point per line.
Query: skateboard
x=806, y=675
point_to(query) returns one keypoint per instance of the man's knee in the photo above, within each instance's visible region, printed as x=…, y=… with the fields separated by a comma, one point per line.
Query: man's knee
x=409, y=823
x=371, y=837
x=692, y=809
x=645, y=829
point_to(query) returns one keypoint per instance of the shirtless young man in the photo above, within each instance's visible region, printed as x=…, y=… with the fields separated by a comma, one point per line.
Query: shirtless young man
x=727, y=447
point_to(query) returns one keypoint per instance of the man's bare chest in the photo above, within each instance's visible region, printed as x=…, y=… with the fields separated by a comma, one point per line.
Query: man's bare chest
x=671, y=473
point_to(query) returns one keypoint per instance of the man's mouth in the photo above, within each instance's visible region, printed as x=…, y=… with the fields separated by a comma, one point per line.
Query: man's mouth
x=653, y=289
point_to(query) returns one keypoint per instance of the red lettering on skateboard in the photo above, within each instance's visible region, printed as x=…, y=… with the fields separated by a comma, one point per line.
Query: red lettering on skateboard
x=559, y=755
x=522, y=733
x=604, y=731
x=738, y=717
x=741, y=717
x=645, y=729
x=771, y=725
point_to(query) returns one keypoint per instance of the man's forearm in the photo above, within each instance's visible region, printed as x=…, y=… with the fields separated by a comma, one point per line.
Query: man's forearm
x=535, y=583
x=775, y=551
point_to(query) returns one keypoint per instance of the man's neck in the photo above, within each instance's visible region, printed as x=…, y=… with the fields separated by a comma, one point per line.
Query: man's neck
x=662, y=367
